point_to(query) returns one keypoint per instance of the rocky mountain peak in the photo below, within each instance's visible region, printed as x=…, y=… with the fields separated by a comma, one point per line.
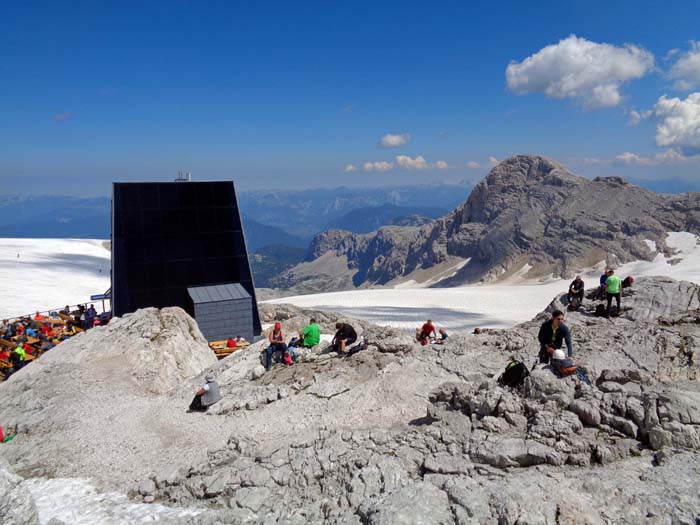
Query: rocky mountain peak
x=529, y=210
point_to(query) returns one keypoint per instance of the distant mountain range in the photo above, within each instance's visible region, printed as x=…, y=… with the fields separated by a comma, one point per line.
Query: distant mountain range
x=278, y=224
x=530, y=214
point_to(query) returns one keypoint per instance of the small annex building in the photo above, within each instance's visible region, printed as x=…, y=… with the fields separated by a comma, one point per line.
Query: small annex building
x=222, y=311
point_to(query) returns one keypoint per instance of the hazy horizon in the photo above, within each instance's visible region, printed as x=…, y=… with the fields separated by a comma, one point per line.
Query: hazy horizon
x=283, y=96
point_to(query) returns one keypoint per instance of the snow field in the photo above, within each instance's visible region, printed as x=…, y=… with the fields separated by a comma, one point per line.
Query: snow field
x=50, y=273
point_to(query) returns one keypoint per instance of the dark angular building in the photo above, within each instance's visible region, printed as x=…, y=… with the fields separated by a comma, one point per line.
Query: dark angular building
x=171, y=236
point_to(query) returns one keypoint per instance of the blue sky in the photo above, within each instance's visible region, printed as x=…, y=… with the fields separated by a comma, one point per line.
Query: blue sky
x=300, y=94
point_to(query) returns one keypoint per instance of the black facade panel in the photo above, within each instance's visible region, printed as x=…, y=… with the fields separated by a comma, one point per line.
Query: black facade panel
x=169, y=236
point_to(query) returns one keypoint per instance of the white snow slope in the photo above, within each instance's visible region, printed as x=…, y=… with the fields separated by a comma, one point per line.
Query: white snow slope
x=50, y=273
x=492, y=305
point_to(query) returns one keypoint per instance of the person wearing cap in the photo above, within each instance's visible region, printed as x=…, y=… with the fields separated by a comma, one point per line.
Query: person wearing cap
x=277, y=343
x=551, y=336
x=206, y=396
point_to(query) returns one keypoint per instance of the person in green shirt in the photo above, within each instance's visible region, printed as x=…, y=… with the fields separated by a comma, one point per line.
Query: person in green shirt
x=311, y=335
x=613, y=286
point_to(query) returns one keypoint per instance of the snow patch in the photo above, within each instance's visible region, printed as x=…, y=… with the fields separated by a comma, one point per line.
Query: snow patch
x=78, y=502
x=50, y=273
x=651, y=245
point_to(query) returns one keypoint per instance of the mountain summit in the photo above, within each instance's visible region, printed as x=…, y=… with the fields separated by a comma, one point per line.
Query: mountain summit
x=529, y=214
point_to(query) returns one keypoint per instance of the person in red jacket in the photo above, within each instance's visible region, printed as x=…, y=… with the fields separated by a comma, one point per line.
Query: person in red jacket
x=231, y=343
x=423, y=334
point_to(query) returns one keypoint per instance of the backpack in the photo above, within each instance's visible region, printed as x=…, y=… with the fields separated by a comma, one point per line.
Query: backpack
x=574, y=304
x=628, y=281
x=514, y=374
x=601, y=310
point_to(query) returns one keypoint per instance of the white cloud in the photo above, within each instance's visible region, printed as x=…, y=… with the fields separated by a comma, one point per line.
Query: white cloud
x=576, y=68
x=473, y=165
x=349, y=168
x=493, y=162
x=391, y=140
x=379, y=166
x=668, y=157
x=678, y=122
x=441, y=165
x=408, y=163
x=591, y=161
x=635, y=117
x=686, y=70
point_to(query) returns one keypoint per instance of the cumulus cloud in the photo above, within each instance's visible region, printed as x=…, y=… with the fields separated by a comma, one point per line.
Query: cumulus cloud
x=576, y=68
x=379, y=166
x=678, y=122
x=493, y=162
x=635, y=117
x=668, y=157
x=404, y=162
x=391, y=140
x=407, y=163
x=63, y=116
x=349, y=168
x=472, y=164
x=686, y=70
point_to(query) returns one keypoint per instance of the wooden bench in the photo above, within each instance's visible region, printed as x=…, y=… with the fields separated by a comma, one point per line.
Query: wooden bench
x=7, y=344
x=221, y=350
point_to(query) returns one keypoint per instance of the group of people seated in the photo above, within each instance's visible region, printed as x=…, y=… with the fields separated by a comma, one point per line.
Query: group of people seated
x=610, y=287
x=428, y=334
x=25, y=338
x=310, y=336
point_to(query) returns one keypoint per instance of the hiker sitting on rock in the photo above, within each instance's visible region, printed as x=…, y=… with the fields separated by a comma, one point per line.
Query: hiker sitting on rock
x=310, y=335
x=344, y=337
x=443, y=337
x=576, y=289
x=424, y=332
x=551, y=336
x=277, y=343
x=206, y=396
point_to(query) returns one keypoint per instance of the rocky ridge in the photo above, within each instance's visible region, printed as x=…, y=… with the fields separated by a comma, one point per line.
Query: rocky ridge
x=400, y=433
x=529, y=210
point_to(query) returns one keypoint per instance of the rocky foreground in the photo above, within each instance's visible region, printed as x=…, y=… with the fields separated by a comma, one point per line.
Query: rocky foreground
x=397, y=433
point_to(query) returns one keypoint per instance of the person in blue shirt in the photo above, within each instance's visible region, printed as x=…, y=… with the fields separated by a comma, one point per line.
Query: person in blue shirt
x=601, y=288
x=551, y=336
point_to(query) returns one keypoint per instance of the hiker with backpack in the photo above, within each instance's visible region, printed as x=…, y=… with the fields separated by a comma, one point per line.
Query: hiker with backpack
x=551, y=336
x=613, y=287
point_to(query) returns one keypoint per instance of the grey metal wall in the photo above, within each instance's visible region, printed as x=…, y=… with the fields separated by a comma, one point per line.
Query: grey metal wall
x=223, y=319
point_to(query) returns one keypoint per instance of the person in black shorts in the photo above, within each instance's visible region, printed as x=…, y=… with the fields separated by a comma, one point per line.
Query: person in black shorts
x=344, y=337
